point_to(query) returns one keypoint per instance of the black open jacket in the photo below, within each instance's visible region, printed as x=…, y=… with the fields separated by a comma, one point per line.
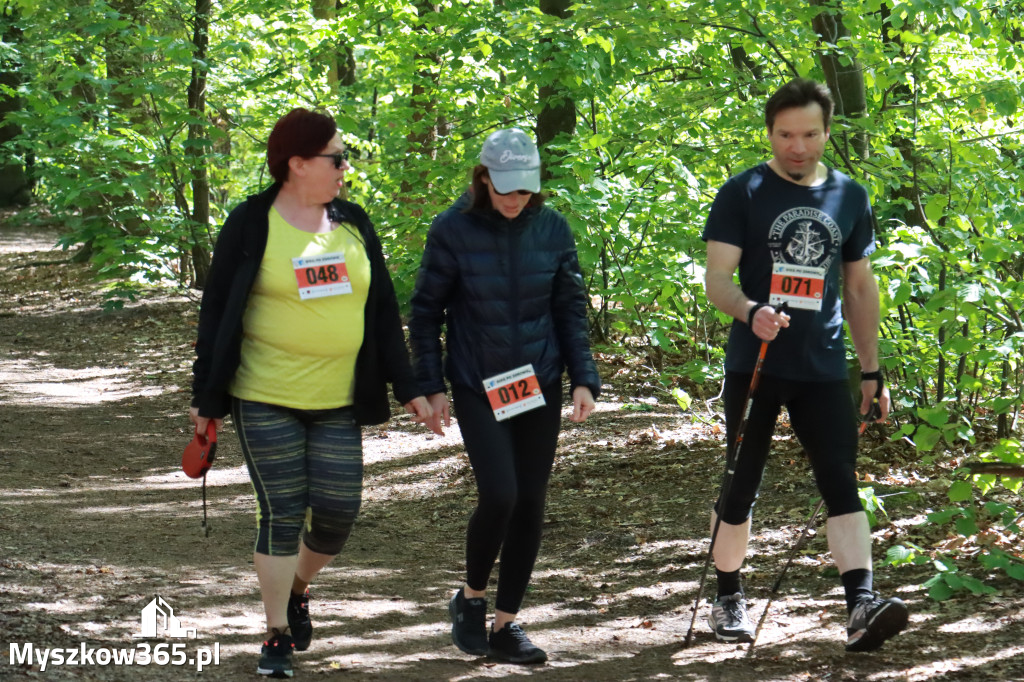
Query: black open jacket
x=509, y=292
x=382, y=359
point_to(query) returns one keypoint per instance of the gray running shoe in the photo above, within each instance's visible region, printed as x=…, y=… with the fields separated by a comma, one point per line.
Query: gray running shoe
x=469, y=623
x=874, y=620
x=729, y=619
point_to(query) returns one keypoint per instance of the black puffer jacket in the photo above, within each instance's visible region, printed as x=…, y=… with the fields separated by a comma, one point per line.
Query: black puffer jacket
x=382, y=359
x=510, y=292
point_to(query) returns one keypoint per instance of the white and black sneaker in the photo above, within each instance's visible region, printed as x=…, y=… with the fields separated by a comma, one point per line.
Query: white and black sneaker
x=729, y=619
x=874, y=620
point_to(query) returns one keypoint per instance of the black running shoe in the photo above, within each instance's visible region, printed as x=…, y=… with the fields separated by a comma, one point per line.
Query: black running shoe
x=276, y=656
x=874, y=620
x=299, y=623
x=469, y=623
x=511, y=644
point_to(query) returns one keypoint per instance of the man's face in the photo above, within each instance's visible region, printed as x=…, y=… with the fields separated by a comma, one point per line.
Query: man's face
x=798, y=140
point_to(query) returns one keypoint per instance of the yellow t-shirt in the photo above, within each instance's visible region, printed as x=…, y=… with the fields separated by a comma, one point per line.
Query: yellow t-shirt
x=303, y=324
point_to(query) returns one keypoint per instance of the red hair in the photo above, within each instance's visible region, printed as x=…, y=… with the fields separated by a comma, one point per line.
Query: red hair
x=300, y=132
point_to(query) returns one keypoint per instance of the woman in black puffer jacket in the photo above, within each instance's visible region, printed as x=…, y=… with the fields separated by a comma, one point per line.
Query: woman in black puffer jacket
x=501, y=275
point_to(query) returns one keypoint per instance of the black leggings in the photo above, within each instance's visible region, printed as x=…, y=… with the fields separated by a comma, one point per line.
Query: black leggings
x=512, y=462
x=824, y=420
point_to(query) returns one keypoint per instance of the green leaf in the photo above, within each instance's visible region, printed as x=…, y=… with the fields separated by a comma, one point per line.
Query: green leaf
x=926, y=438
x=965, y=526
x=683, y=398
x=935, y=416
x=960, y=491
x=940, y=591
x=898, y=554
x=942, y=517
x=935, y=208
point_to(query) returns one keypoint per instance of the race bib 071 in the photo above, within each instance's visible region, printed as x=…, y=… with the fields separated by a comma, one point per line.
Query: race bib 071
x=800, y=286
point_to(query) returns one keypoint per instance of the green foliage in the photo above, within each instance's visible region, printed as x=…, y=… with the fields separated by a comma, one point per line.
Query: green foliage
x=669, y=99
x=872, y=504
x=987, y=532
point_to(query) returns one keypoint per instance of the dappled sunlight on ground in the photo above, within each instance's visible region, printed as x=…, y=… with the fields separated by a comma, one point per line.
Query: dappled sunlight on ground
x=31, y=381
x=97, y=519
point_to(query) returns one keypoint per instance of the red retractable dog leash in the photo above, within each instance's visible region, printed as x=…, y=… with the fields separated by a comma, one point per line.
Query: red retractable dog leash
x=197, y=459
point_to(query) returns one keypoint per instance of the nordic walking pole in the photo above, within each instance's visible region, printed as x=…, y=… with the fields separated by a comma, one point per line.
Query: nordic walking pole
x=778, y=583
x=732, y=456
x=874, y=412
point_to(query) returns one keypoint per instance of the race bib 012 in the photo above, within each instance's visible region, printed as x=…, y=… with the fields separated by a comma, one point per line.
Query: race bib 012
x=513, y=392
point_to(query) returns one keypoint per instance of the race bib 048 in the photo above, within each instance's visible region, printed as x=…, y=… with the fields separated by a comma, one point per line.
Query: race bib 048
x=323, y=275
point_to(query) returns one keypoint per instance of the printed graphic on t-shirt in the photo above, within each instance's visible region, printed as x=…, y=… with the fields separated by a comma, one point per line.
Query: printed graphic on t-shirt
x=803, y=241
x=804, y=236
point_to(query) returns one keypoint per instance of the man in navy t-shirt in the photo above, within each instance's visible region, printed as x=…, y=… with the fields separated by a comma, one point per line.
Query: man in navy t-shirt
x=800, y=234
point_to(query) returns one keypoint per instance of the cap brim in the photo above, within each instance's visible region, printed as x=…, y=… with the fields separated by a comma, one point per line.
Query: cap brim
x=513, y=180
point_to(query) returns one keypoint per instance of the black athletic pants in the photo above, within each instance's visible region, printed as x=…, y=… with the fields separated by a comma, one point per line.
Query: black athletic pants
x=511, y=462
x=824, y=419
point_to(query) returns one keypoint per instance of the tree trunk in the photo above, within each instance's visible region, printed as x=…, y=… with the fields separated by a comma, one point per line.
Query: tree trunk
x=558, y=107
x=422, y=137
x=909, y=192
x=15, y=185
x=845, y=82
x=341, y=71
x=196, y=150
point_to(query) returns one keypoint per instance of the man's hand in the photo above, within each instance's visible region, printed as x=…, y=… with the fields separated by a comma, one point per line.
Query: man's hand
x=868, y=389
x=582, y=404
x=767, y=323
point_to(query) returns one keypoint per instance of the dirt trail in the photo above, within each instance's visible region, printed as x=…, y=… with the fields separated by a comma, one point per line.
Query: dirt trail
x=97, y=520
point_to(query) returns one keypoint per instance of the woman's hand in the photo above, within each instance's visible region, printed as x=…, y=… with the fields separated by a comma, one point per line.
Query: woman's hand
x=440, y=413
x=203, y=423
x=582, y=404
x=423, y=413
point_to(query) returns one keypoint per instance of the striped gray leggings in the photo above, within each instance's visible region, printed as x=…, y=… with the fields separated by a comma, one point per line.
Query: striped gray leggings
x=306, y=468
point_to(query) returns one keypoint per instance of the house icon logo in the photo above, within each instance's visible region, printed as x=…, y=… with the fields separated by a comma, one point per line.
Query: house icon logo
x=158, y=620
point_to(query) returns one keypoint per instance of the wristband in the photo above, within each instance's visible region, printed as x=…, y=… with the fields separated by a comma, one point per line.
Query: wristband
x=872, y=376
x=752, y=312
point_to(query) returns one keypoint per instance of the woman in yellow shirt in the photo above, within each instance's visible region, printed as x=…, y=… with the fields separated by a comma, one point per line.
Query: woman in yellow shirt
x=299, y=335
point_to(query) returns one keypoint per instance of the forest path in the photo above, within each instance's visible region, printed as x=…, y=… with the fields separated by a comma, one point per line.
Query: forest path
x=97, y=520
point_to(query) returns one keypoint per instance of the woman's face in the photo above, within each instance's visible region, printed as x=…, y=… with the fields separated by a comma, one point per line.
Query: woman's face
x=509, y=205
x=322, y=174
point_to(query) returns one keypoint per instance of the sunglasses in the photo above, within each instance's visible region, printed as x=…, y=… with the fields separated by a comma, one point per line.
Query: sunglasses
x=339, y=158
x=520, y=192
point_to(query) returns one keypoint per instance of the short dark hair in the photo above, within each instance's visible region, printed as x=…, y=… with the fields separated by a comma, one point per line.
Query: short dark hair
x=300, y=132
x=480, y=199
x=797, y=93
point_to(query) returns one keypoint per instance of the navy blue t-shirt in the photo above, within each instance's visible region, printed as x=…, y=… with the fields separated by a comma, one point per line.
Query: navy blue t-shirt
x=777, y=221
